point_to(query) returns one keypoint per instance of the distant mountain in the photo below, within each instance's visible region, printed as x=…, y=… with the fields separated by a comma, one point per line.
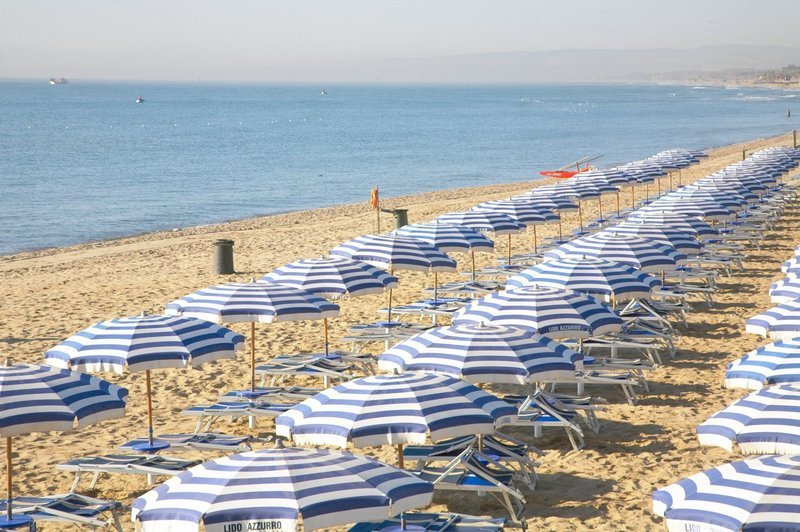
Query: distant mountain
x=545, y=66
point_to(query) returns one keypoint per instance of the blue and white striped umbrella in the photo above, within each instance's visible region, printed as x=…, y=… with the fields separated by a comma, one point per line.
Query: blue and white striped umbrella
x=483, y=354
x=522, y=211
x=755, y=494
x=707, y=210
x=787, y=289
x=680, y=241
x=271, y=489
x=396, y=409
x=775, y=363
x=252, y=302
x=395, y=253
x=546, y=202
x=680, y=222
x=145, y=343
x=764, y=422
x=332, y=277
x=487, y=222
x=641, y=253
x=449, y=238
x=549, y=311
x=601, y=279
x=37, y=398
x=791, y=265
x=781, y=322
x=728, y=200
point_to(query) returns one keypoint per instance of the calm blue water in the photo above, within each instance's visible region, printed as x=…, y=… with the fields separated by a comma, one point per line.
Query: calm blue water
x=83, y=162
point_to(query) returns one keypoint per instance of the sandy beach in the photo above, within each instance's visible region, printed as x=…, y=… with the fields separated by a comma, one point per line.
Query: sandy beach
x=51, y=294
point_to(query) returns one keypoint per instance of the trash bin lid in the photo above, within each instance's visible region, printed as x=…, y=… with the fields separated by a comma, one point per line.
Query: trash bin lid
x=222, y=242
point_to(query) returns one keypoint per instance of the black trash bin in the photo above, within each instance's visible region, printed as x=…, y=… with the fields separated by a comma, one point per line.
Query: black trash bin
x=223, y=256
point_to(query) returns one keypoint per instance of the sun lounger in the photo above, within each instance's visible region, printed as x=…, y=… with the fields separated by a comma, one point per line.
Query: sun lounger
x=204, y=441
x=430, y=522
x=67, y=508
x=466, y=289
x=131, y=464
x=207, y=414
x=388, y=333
x=274, y=373
x=538, y=414
x=272, y=393
x=476, y=472
x=499, y=447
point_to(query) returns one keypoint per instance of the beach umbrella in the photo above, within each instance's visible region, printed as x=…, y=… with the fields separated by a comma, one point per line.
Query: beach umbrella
x=707, y=210
x=522, y=211
x=485, y=222
x=394, y=410
x=554, y=203
x=549, y=311
x=602, y=279
x=680, y=222
x=145, y=343
x=728, y=200
x=395, y=253
x=252, y=303
x=791, y=266
x=787, y=289
x=680, y=241
x=764, y=422
x=643, y=254
x=781, y=322
x=755, y=494
x=332, y=278
x=775, y=363
x=566, y=191
x=36, y=398
x=449, y=238
x=607, y=181
x=481, y=353
x=272, y=489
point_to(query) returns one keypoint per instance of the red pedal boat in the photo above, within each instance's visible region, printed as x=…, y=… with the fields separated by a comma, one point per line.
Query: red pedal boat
x=565, y=173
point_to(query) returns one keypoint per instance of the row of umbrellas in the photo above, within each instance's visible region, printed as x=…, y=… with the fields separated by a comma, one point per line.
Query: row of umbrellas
x=270, y=302
x=758, y=493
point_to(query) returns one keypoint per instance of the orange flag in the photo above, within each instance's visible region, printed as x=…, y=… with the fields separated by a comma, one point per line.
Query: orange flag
x=374, y=200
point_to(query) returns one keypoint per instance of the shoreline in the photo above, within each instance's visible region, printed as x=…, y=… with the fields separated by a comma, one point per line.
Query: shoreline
x=239, y=224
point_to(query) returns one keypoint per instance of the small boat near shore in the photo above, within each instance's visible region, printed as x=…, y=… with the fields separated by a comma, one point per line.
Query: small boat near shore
x=57, y=81
x=572, y=169
x=139, y=99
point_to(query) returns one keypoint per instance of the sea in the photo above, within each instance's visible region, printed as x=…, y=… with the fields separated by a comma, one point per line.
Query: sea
x=83, y=162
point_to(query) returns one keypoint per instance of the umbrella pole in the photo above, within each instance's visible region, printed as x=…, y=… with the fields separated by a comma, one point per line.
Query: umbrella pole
x=436, y=286
x=670, y=180
x=580, y=217
x=658, y=186
x=325, y=330
x=252, y=356
x=600, y=206
x=535, y=250
x=9, y=515
x=389, y=319
x=509, y=249
x=472, y=253
x=633, y=197
x=149, y=408
x=647, y=191
x=617, y=203
x=560, y=236
x=400, y=462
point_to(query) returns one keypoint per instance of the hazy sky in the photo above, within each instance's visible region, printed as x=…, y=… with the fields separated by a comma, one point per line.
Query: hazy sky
x=250, y=39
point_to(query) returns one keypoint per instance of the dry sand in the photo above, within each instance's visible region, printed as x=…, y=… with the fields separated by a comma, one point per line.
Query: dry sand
x=51, y=294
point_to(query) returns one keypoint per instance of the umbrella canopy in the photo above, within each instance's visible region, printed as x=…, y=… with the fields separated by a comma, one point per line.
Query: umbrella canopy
x=396, y=409
x=601, y=279
x=708, y=210
x=781, y=322
x=395, y=253
x=791, y=266
x=144, y=343
x=680, y=241
x=544, y=310
x=483, y=354
x=271, y=489
x=787, y=289
x=489, y=222
x=643, y=254
x=523, y=211
x=332, y=277
x=764, y=422
x=449, y=238
x=775, y=363
x=37, y=398
x=252, y=302
x=679, y=222
x=755, y=494
x=546, y=202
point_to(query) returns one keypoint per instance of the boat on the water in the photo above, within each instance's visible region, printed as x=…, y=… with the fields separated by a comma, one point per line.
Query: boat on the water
x=139, y=99
x=567, y=171
x=57, y=81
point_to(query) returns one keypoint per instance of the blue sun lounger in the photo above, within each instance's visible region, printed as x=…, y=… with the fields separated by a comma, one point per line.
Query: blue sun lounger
x=203, y=441
x=67, y=508
x=131, y=464
x=430, y=522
